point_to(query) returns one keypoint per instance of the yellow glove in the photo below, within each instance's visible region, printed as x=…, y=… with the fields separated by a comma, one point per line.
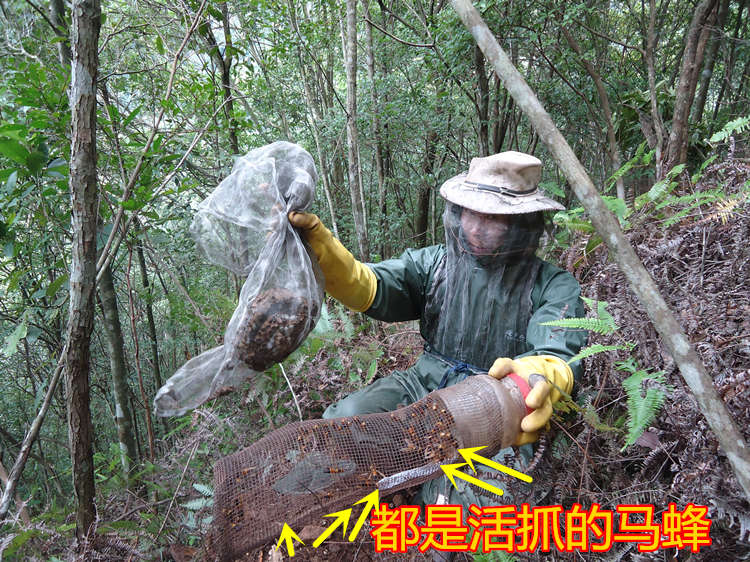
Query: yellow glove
x=349, y=281
x=542, y=394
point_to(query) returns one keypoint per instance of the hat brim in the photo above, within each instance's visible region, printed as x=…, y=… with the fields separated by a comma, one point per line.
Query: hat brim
x=456, y=191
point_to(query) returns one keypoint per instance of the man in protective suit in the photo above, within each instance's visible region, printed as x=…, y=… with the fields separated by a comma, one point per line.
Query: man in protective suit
x=480, y=299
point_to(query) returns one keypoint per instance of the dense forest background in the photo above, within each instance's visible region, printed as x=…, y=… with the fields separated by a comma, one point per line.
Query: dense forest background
x=391, y=101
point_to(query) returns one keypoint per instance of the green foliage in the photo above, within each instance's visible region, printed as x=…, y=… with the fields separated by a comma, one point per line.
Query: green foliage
x=642, y=407
x=596, y=348
x=603, y=323
x=494, y=557
x=735, y=126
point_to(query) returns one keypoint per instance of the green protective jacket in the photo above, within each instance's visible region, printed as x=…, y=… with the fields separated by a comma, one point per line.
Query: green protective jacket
x=405, y=285
x=486, y=313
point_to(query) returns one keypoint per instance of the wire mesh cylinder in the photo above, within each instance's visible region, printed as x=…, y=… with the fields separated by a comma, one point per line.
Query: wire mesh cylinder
x=305, y=470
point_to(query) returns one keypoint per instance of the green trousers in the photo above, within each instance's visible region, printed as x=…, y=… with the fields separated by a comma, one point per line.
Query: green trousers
x=402, y=388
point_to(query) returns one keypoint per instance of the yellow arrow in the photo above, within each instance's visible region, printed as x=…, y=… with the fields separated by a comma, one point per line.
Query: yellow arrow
x=341, y=517
x=288, y=536
x=452, y=471
x=470, y=454
x=371, y=502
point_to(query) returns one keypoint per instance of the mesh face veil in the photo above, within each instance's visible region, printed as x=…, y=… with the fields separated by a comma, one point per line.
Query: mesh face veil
x=503, y=238
x=479, y=304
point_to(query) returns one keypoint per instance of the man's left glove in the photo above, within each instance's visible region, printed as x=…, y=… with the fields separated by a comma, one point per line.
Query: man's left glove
x=556, y=378
x=348, y=281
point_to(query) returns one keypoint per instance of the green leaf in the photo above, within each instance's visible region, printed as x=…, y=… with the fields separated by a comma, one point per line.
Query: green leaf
x=56, y=284
x=593, y=350
x=10, y=185
x=35, y=162
x=371, y=370
x=642, y=408
x=11, y=342
x=13, y=131
x=133, y=204
x=14, y=150
x=159, y=45
x=204, y=489
x=198, y=503
x=19, y=540
x=133, y=114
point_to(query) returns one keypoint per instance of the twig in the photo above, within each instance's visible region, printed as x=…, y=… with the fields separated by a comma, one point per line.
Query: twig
x=402, y=41
x=157, y=192
x=57, y=30
x=289, y=384
x=106, y=257
x=31, y=435
x=171, y=503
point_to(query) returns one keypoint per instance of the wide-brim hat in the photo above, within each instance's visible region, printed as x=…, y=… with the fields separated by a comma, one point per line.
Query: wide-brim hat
x=502, y=184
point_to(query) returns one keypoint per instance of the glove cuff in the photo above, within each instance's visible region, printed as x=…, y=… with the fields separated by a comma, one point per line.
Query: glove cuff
x=349, y=281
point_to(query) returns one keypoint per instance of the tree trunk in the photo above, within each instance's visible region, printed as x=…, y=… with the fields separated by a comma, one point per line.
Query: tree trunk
x=224, y=64
x=614, y=149
x=23, y=513
x=377, y=133
x=729, y=64
x=146, y=400
x=317, y=109
x=85, y=205
x=483, y=103
x=57, y=17
x=708, y=67
x=350, y=56
x=676, y=150
x=115, y=348
x=674, y=339
x=656, y=120
x=423, y=198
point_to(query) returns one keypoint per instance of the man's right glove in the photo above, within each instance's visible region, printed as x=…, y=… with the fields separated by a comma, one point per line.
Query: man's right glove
x=349, y=281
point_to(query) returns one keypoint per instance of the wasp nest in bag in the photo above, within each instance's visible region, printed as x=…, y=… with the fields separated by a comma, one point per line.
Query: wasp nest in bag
x=272, y=327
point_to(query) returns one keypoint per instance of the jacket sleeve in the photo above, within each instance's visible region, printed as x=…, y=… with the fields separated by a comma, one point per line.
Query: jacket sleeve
x=402, y=284
x=556, y=295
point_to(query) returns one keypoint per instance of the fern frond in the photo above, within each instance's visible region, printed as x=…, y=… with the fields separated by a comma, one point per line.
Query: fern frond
x=642, y=408
x=593, y=419
x=725, y=209
x=593, y=350
x=204, y=489
x=592, y=324
x=735, y=126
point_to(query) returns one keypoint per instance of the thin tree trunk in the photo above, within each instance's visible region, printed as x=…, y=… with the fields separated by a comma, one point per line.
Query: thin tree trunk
x=423, y=199
x=224, y=64
x=376, y=131
x=317, y=117
x=85, y=206
x=146, y=399
x=729, y=65
x=482, y=103
x=614, y=150
x=674, y=339
x=57, y=17
x=23, y=513
x=350, y=57
x=676, y=150
x=657, y=122
x=708, y=67
x=115, y=348
x=150, y=316
x=31, y=435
